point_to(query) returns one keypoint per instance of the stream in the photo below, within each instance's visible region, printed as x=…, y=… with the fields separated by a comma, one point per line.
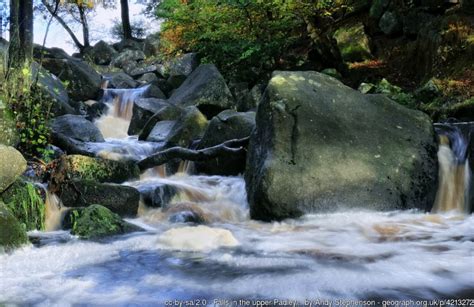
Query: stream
x=351, y=255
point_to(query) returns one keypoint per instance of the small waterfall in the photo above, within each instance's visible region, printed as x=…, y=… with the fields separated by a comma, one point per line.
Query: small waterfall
x=454, y=171
x=54, y=212
x=120, y=102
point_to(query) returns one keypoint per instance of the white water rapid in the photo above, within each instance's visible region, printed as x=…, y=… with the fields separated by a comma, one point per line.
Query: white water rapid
x=358, y=255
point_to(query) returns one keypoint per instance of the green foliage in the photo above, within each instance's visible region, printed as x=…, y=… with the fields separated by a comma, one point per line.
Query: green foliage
x=23, y=199
x=28, y=108
x=395, y=93
x=244, y=38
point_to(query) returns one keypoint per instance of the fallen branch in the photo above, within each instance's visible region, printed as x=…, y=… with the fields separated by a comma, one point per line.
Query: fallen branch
x=231, y=147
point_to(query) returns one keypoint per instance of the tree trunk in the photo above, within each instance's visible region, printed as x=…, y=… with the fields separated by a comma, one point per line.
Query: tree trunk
x=127, y=28
x=26, y=29
x=14, y=54
x=85, y=26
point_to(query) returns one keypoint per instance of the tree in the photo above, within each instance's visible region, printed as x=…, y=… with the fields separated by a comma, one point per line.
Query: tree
x=127, y=28
x=21, y=32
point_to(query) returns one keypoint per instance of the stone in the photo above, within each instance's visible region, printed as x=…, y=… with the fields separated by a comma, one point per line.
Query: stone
x=428, y=92
x=94, y=169
x=152, y=45
x=102, y=53
x=52, y=90
x=120, y=80
x=157, y=196
x=169, y=113
x=227, y=125
x=332, y=72
x=77, y=127
x=390, y=24
x=143, y=110
x=120, y=199
x=12, y=165
x=96, y=222
x=127, y=56
x=206, y=89
x=12, y=234
x=320, y=146
x=353, y=43
x=148, y=78
x=189, y=127
x=153, y=91
x=83, y=82
x=181, y=67
x=141, y=70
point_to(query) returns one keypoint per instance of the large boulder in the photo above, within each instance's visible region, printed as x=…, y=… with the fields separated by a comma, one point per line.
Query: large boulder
x=180, y=68
x=189, y=127
x=41, y=52
x=84, y=82
x=170, y=113
x=51, y=89
x=321, y=146
x=95, y=222
x=102, y=53
x=227, y=125
x=143, y=110
x=120, y=199
x=12, y=165
x=353, y=43
x=120, y=80
x=12, y=234
x=206, y=89
x=77, y=127
x=95, y=169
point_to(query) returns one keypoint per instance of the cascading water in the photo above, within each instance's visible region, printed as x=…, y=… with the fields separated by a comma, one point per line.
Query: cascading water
x=354, y=255
x=454, y=171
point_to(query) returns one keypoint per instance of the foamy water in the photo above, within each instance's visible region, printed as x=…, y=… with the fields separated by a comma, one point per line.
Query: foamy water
x=356, y=255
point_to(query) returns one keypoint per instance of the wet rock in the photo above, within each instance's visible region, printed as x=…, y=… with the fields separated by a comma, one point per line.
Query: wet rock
x=83, y=81
x=121, y=80
x=25, y=201
x=160, y=131
x=390, y=24
x=77, y=127
x=206, y=89
x=353, y=43
x=190, y=126
x=12, y=234
x=227, y=125
x=12, y=165
x=102, y=53
x=307, y=156
x=120, y=199
x=186, y=213
x=95, y=169
x=168, y=113
x=96, y=110
x=153, y=91
x=52, y=90
x=96, y=222
x=157, y=196
x=148, y=78
x=143, y=110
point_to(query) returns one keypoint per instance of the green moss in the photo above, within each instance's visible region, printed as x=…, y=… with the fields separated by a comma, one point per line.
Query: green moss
x=96, y=169
x=395, y=93
x=24, y=200
x=95, y=221
x=12, y=234
x=353, y=43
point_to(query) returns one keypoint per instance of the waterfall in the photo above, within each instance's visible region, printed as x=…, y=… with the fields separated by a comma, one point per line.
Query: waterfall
x=120, y=102
x=54, y=212
x=454, y=170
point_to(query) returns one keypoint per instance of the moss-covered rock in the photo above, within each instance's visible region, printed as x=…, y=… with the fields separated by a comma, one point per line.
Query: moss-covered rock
x=94, y=169
x=26, y=203
x=96, y=221
x=353, y=43
x=321, y=146
x=121, y=199
x=9, y=135
x=12, y=234
x=12, y=165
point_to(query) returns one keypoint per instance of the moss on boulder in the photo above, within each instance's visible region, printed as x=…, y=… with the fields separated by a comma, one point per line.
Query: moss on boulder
x=95, y=222
x=12, y=234
x=353, y=43
x=12, y=165
x=25, y=202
